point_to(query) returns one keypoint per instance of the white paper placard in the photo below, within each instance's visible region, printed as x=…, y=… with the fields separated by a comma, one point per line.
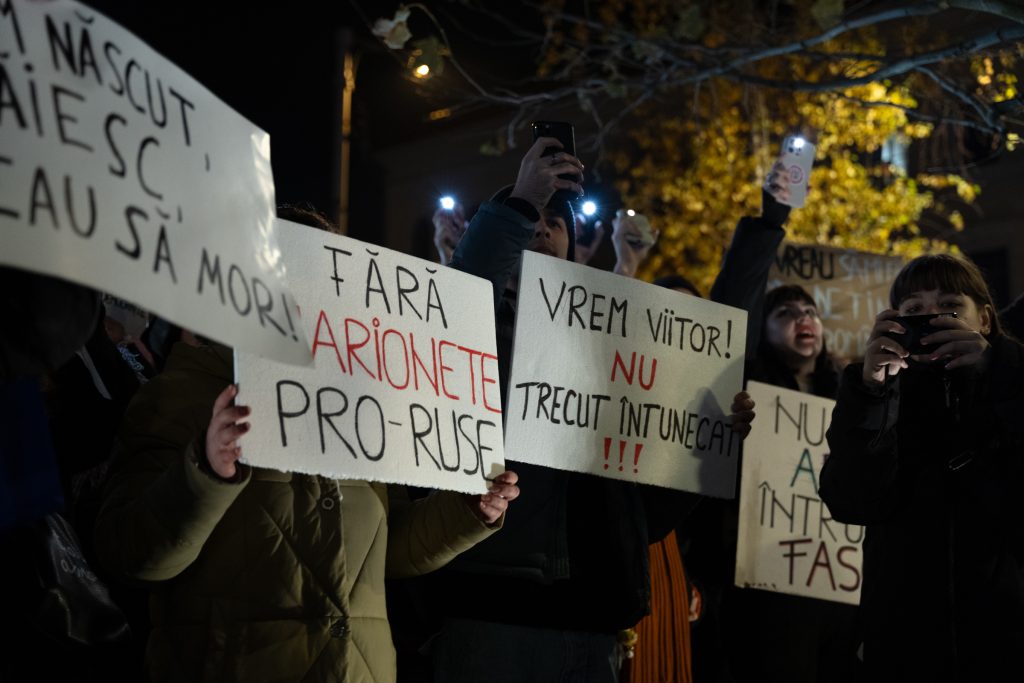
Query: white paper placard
x=404, y=383
x=788, y=541
x=120, y=172
x=623, y=379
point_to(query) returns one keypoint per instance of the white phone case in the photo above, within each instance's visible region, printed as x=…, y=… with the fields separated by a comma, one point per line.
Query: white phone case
x=797, y=161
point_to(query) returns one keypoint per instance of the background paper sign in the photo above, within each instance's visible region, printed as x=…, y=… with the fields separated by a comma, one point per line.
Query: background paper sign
x=120, y=172
x=622, y=379
x=849, y=288
x=788, y=541
x=404, y=384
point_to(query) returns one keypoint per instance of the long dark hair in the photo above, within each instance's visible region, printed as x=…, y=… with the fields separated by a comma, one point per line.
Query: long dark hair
x=947, y=273
x=824, y=378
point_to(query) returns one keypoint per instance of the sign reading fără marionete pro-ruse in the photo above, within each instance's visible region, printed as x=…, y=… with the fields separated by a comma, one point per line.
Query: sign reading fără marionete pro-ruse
x=404, y=383
x=120, y=172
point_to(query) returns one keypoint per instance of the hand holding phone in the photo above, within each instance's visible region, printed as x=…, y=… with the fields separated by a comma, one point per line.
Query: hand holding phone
x=917, y=327
x=543, y=175
x=797, y=159
x=565, y=133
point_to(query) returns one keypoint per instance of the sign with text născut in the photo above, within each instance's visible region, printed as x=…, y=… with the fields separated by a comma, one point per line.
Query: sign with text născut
x=120, y=172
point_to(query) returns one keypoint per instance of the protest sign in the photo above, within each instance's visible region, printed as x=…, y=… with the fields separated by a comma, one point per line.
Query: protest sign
x=120, y=172
x=619, y=378
x=849, y=288
x=404, y=382
x=788, y=541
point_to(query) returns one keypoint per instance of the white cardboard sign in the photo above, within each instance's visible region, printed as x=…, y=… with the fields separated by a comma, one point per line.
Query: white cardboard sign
x=788, y=541
x=120, y=172
x=621, y=379
x=404, y=382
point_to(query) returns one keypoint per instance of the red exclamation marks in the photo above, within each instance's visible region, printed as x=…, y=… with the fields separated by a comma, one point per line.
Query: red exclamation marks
x=636, y=457
x=622, y=452
x=607, y=446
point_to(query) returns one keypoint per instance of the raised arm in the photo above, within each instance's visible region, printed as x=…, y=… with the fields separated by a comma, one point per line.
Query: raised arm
x=744, y=276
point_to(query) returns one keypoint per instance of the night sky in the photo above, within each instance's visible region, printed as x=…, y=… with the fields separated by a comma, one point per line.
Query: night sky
x=281, y=68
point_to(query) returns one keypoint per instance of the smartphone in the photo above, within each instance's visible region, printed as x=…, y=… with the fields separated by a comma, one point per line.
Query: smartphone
x=797, y=158
x=917, y=326
x=565, y=133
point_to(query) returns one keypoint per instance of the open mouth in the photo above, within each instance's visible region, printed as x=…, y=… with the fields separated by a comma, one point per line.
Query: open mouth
x=805, y=335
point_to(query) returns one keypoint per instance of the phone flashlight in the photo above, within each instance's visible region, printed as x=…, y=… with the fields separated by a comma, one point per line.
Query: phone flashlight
x=630, y=212
x=447, y=203
x=589, y=208
x=798, y=143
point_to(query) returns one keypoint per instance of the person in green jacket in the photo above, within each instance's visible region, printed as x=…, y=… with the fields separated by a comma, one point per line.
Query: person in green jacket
x=260, y=575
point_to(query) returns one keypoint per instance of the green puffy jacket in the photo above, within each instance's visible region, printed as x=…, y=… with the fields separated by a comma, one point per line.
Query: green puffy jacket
x=275, y=577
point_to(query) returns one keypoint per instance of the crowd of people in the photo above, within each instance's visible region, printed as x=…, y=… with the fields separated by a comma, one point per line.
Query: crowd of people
x=119, y=457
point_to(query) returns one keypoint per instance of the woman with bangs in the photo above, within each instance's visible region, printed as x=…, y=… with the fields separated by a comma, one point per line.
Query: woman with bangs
x=927, y=451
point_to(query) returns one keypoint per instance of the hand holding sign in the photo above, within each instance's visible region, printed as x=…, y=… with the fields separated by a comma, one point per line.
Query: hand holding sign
x=222, y=449
x=492, y=505
x=742, y=414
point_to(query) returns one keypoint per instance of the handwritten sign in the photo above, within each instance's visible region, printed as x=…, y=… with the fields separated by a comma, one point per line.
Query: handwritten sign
x=120, y=172
x=404, y=384
x=788, y=541
x=849, y=288
x=622, y=379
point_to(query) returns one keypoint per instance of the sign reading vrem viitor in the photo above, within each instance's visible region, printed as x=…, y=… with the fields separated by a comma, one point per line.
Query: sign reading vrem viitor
x=622, y=379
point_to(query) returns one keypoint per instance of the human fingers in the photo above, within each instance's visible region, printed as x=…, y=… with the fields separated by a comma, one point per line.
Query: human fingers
x=227, y=436
x=540, y=144
x=229, y=415
x=491, y=508
x=742, y=401
x=742, y=428
x=885, y=326
x=561, y=158
x=224, y=398
x=962, y=347
x=506, y=477
x=966, y=360
x=948, y=322
x=883, y=347
x=564, y=184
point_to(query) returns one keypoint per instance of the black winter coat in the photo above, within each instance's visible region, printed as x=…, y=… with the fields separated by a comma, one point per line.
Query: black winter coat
x=933, y=466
